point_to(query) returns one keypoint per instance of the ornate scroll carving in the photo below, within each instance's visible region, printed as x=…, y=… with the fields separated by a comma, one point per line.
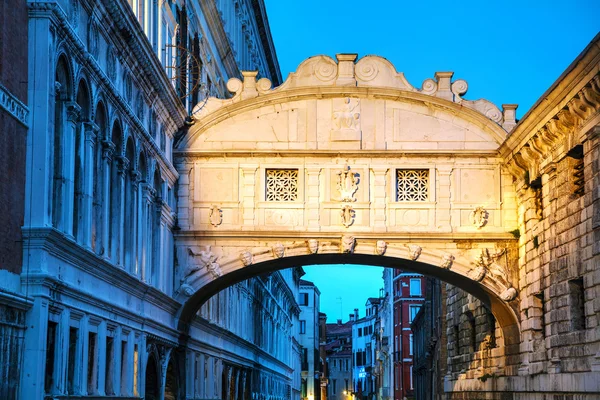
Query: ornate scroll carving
x=347, y=215
x=380, y=247
x=479, y=217
x=414, y=251
x=313, y=245
x=347, y=184
x=207, y=259
x=215, y=216
x=348, y=243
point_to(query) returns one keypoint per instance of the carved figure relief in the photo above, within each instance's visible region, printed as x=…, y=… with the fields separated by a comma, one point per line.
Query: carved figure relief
x=347, y=184
x=111, y=63
x=447, y=261
x=347, y=118
x=486, y=262
x=207, y=259
x=313, y=246
x=348, y=243
x=381, y=247
x=414, y=251
x=478, y=217
x=215, y=216
x=278, y=250
x=509, y=294
x=246, y=258
x=347, y=215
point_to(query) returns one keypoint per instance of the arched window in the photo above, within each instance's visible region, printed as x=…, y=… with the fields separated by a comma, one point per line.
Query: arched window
x=83, y=101
x=98, y=187
x=115, y=194
x=130, y=209
x=62, y=93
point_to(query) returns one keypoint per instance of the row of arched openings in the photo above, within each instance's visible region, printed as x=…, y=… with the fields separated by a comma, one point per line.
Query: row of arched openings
x=102, y=194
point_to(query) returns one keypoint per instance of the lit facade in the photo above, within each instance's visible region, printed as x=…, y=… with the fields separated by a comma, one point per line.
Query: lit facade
x=338, y=353
x=309, y=339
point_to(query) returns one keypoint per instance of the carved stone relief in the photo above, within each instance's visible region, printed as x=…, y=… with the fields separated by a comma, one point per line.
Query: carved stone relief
x=380, y=247
x=478, y=217
x=447, y=261
x=246, y=258
x=347, y=215
x=313, y=246
x=414, y=251
x=93, y=39
x=347, y=184
x=278, y=250
x=346, y=121
x=348, y=243
x=215, y=216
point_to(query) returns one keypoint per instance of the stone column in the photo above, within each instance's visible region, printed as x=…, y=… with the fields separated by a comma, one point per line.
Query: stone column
x=62, y=353
x=107, y=155
x=68, y=167
x=34, y=356
x=247, y=196
x=123, y=167
x=378, y=198
x=101, y=358
x=313, y=198
x=135, y=209
x=443, y=198
x=148, y=234
x=117, y=352
x=90, y=130
x=81, y=383
x=140, y=234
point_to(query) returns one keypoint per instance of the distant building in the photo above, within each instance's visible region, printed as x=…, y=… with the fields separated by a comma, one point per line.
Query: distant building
x=338, y=349
x=364, y=342
x=309, y=301
x=429, y=343
x=385, y=332
x=409, y=291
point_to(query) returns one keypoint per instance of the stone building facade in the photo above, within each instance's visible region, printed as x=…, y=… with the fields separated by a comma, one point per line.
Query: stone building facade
x=94, y=195
x=310, y=341
x=338, y=357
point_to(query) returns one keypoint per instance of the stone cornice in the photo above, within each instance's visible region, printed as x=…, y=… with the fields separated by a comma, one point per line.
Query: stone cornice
x=184, y=156
x=211, y=13
x=264, y=32
x=14, y=106
x=56, y=244
x=554, y=124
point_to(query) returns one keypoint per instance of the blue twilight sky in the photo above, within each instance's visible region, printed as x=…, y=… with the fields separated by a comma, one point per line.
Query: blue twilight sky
x=344, y=287
x=507, y=51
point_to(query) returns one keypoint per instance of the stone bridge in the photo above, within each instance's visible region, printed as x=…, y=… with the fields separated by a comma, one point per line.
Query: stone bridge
x=347, y=162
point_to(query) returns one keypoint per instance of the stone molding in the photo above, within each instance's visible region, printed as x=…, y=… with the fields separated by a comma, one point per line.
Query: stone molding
x=14, y=106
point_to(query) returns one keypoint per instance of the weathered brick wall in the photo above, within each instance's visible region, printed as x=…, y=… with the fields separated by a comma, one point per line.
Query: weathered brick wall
x=13, y=135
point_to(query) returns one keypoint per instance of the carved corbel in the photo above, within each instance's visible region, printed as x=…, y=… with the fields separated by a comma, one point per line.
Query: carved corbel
x=566, y=119
x=532, y=158
x=546, y=137
x=515, y=169
x=593, y=98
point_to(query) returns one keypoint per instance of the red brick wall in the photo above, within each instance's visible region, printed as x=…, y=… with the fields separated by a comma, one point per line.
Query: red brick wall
x=13, y=135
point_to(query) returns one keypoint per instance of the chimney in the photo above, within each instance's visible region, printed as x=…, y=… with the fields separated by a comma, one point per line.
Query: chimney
x=356, y=314
x=351, y=317
x=339, y=321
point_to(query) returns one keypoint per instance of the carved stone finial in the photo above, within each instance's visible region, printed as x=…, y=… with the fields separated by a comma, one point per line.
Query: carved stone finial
x=246, y=258
x=479, y=217
x=313, y=246
x=215, y=216
x=381, y=247
x=447, y=261
x=278, y=250
x=346, y=75
x=414, y=251
x=348, y=243
x=347, y=215
x=347, y=184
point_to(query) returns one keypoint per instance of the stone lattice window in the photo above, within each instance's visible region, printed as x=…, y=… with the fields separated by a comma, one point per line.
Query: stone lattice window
x=412, y=185
x=282, y=184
